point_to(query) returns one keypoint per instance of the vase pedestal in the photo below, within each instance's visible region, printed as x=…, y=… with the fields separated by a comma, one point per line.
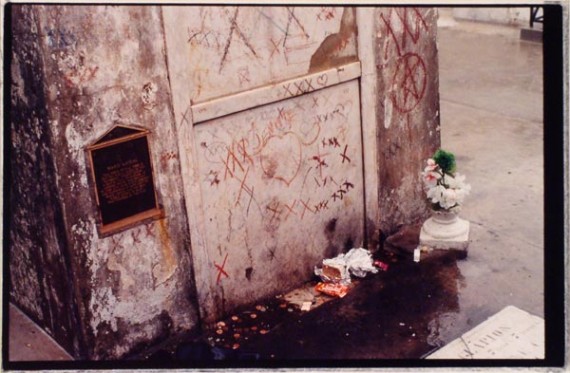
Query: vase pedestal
x=445, y=230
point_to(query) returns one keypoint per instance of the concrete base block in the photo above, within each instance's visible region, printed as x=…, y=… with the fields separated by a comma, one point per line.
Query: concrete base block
x=444, y=230
x=533, y=35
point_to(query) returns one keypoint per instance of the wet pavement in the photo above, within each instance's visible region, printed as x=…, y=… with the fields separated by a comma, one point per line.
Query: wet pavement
x=387, y=315
x=393, y=314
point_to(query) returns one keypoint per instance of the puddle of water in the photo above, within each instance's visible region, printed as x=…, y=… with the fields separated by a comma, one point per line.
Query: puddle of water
x=400, y=313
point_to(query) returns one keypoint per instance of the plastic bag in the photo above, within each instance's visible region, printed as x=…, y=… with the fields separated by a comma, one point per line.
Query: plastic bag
x=359, y=262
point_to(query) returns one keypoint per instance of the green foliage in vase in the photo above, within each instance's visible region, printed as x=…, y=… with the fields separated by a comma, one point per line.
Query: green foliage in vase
x=445, y=160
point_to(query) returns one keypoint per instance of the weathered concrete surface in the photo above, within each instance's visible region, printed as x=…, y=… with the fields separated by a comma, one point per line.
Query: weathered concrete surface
x=268, y=191
x=408, y=110
x=40, y=277
x=103, y=66
x=228, y=49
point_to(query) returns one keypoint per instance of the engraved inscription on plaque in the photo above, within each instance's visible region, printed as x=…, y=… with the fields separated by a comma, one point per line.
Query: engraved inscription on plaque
x=123, y=176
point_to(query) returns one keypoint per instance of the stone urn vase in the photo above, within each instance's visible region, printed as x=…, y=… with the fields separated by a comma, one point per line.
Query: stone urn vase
x=445, y=230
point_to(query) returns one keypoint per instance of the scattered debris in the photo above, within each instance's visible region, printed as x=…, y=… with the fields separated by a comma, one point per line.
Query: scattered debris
x=417, y=252
x=357, y=262
x=297, y=297
x=335, y=290
x=334, y=270
x=426, y=249
x=383, y=266
x=231, y=333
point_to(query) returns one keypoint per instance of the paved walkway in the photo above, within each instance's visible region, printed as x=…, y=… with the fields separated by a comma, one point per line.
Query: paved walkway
x=30, y=343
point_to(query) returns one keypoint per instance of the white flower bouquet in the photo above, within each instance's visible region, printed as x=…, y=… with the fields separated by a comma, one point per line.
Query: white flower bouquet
x=445, y=188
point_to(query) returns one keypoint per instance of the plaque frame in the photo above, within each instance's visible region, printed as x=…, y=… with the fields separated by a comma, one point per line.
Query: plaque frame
x=117, y=135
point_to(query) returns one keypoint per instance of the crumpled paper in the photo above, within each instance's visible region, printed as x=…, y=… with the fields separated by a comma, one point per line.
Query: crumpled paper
x=357, y=262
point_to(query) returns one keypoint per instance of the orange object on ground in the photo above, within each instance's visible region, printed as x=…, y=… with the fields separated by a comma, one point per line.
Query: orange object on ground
x=336, y=290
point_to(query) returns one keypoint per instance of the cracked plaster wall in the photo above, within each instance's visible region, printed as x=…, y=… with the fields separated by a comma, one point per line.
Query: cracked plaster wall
x=407, y=110
x=40, y=281
x=99, y=66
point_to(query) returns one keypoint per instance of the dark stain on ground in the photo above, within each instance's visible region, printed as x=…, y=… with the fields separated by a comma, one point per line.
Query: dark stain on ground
x=385, y=316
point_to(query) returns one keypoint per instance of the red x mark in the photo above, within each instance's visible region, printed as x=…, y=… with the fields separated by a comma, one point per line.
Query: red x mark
x=290, y=209
x=221, y=270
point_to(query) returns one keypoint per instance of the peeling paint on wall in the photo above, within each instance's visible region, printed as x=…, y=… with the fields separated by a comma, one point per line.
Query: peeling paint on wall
x=339, y=48
x=132, y=288
x=39, y=280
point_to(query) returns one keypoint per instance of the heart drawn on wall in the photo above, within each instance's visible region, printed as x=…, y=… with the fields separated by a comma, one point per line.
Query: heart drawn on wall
x=281, y=157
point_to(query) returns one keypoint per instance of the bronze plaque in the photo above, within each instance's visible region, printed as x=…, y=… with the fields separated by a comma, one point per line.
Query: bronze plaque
x=123, y=176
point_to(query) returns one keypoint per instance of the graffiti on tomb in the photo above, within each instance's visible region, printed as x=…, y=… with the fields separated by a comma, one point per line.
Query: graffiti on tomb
x=277, y=169
x=251, y=46
x=404, y=26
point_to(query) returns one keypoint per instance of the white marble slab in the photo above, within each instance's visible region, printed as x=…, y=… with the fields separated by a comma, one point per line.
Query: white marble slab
x=510, y=334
